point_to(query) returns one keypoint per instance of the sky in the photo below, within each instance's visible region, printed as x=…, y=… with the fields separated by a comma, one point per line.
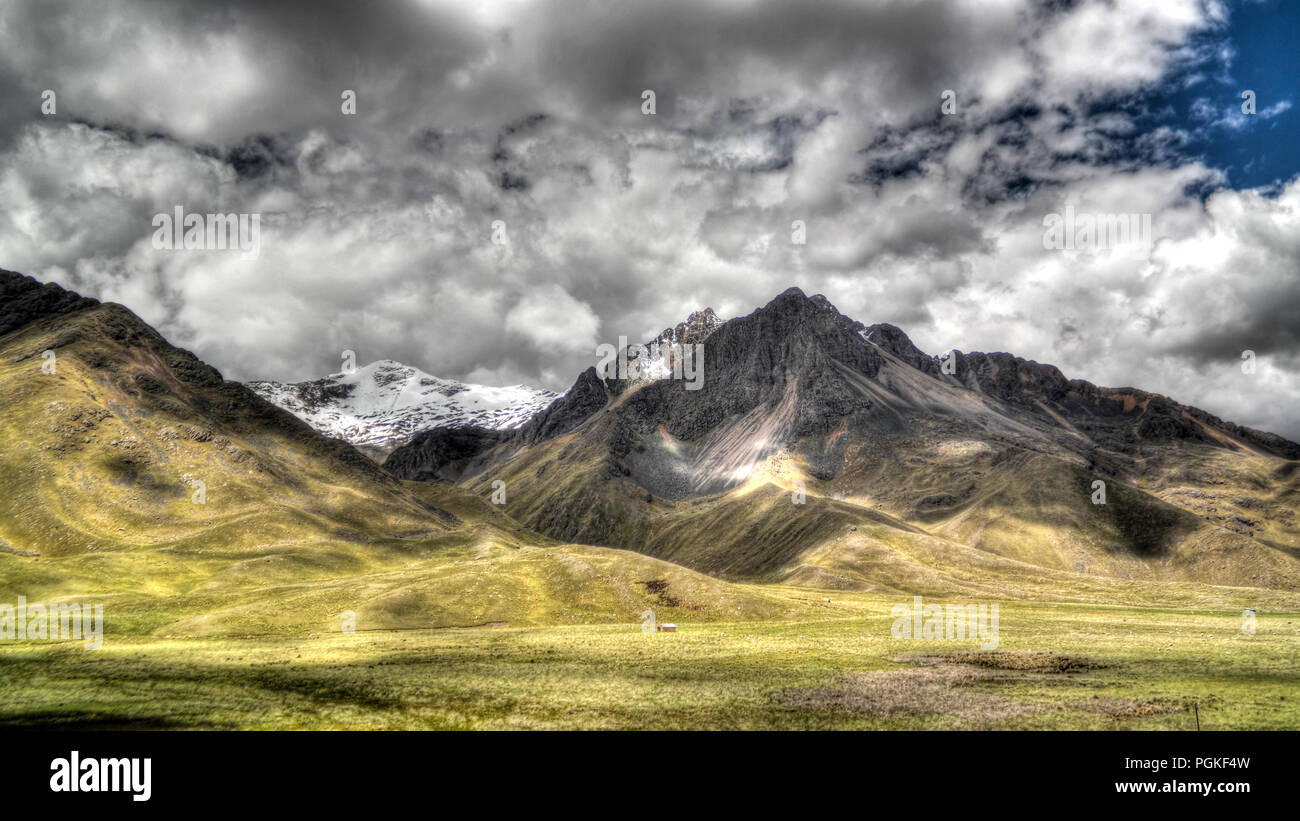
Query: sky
x=500, y=202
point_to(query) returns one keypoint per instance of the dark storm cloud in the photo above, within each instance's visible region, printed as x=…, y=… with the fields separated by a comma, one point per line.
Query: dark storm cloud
x=219, y=72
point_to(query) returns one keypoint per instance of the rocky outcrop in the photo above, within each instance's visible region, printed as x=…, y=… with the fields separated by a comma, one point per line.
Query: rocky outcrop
x=23, y=300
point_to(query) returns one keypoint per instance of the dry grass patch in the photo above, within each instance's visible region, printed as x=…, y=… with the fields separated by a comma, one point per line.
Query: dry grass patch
x=1029, y=661
x=1128, y=708
x=956, y=685
x=941, y=688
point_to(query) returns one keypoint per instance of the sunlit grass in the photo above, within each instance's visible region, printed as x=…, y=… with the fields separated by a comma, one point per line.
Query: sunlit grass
x=1136, y=669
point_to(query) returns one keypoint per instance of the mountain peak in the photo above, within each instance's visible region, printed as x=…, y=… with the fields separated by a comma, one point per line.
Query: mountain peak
x=821, y=301
x=380, y=406
x=697, y=327
x=894, y=340
x=793, y=302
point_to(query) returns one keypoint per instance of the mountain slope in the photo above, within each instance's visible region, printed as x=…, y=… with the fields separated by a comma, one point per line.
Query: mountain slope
x=999, y=455
x=100, y=464
x=106, y=452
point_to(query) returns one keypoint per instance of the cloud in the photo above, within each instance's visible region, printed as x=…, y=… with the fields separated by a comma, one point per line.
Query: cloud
x=549, y=318
x=377, y=227
x=1232, y=117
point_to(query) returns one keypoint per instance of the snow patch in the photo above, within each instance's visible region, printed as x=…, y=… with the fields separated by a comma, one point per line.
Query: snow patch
x=385, y=404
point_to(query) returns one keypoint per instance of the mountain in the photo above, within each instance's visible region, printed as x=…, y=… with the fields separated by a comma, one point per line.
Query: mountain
x=972, y=473
x=134, y=475
x=384, y=404
x=109, y=430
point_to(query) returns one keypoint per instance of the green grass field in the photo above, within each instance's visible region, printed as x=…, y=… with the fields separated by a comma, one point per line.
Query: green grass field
x=1058, y=666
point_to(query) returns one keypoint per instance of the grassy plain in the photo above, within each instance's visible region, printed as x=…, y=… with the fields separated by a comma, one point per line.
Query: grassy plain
x=1058, y=666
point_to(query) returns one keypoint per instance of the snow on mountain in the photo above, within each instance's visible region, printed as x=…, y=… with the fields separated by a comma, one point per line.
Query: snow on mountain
x=659, y=359
x=382, y=405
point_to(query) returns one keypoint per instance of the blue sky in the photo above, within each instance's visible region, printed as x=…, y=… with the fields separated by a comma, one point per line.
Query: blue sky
x=1259, y=50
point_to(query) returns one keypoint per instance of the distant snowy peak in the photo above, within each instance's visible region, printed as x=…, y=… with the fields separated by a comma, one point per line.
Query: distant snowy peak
x=382, y=405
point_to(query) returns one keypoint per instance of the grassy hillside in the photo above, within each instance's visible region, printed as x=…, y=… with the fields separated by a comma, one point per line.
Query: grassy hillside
x=104, y=455
x=98, y=503
x=917, y=512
